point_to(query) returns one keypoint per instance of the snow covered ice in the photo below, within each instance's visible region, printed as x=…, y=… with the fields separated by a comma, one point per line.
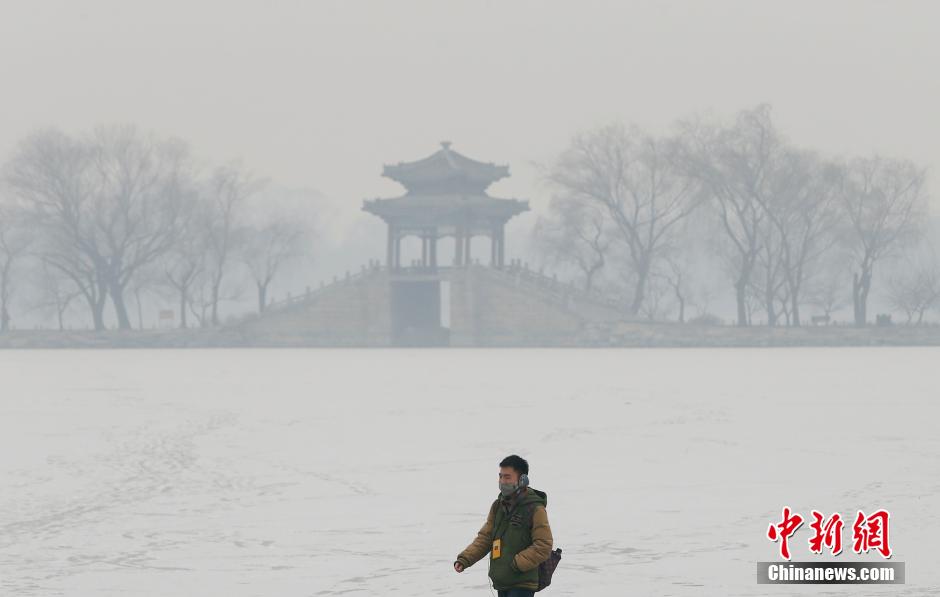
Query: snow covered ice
x=364, y=472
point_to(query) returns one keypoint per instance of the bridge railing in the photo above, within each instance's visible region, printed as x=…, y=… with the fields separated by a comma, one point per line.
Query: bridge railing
x=567, y=291
x=564, y=293
x=311, y=293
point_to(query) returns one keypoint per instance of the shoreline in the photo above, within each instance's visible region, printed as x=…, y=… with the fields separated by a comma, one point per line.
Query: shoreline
x=620, y=335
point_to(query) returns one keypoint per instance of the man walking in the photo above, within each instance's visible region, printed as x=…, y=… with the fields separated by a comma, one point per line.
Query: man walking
x=515, y=545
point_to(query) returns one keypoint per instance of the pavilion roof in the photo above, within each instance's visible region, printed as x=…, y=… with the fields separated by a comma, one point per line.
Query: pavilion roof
x=445, y=208
x=445, y=170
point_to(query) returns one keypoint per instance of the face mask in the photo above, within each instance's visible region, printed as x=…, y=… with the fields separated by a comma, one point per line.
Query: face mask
x=508, y=488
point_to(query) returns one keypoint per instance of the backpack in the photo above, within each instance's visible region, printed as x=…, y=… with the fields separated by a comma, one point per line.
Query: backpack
x=546, y=568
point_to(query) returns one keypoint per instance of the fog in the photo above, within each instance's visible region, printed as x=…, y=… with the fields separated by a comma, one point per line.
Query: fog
x=318, y=96
x=313, y=269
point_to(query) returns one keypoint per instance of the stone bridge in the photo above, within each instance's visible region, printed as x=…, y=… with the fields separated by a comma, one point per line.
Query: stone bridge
x=471, y=305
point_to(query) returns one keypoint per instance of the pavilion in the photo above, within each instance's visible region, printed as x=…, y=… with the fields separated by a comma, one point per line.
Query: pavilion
x=446, y=197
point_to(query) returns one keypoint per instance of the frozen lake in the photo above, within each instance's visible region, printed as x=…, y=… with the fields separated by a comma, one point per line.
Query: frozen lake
x=364, y=472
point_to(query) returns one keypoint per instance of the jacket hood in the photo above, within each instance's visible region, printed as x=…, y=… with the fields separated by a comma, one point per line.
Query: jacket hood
x=539, y=496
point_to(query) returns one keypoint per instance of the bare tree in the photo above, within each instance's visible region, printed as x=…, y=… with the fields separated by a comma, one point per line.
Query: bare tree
x=634, y=178
x=802, y=210
x=736, y=163
x=266, y=250
x=141, y=183
x=657, y=303
x=57, y=292
x=883, y=201
x=146, y=283
x=15, y=239
x=228, y=190
x=768, y=282
x=105, y=205
x=677, y=269
x=917, y=290
x=677, y=278
x=184, y=265
x=50, y=173
x=200, y=301
x=827, y=287
x=575, y=234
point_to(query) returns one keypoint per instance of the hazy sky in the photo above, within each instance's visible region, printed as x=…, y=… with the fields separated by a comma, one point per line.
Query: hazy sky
x=320, y=94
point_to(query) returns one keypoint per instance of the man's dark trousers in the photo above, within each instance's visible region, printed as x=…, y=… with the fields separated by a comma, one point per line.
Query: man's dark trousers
x=517, y=593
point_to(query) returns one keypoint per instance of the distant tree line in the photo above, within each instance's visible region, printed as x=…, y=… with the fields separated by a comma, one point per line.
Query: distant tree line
x=781, y=223
x=109, y=215
x=114, y=215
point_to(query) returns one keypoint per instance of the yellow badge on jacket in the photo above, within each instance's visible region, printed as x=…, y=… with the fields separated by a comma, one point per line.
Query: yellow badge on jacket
x=497, y=546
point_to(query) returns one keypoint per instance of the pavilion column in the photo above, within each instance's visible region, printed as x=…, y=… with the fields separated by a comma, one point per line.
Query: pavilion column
x=390, y=248
x=501, y=245
x=494, y=247
x=432, y=248
x=397, y=259
x=469, y=237
x=458, y=246
x=424, y=249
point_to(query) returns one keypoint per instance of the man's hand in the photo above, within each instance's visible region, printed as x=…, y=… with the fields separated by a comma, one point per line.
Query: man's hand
x=458, y=566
